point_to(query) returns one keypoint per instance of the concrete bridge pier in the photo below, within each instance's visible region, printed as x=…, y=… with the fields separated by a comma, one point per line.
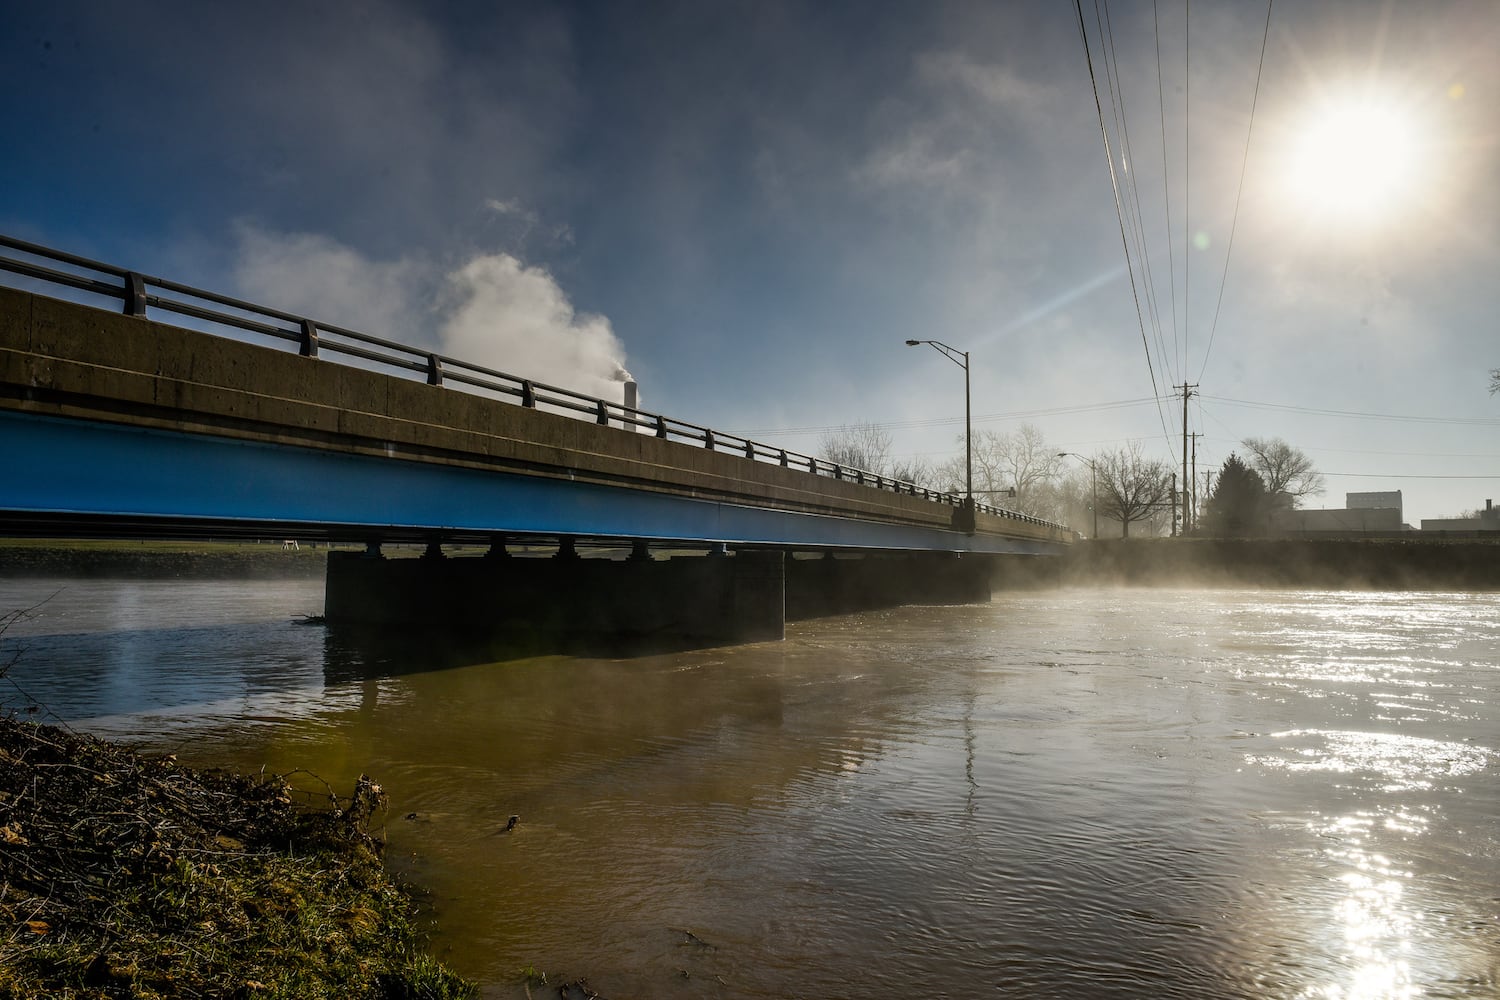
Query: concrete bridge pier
x=738, y=598
x=746, y=596
x=832, y=585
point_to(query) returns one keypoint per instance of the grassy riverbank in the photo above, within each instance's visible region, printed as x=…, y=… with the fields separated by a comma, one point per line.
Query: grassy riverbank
x=126, y=875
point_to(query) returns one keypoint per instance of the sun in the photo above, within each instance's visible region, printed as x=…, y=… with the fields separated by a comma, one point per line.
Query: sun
x=1359, y=160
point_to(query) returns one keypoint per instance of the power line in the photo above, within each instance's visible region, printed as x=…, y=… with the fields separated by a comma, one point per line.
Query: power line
x=1187, y=172
x=1136, y=215
x=1239, y=192
x=1387, y=475
x=1371, y=451
x=944, y=421
x=1359, y=414
x=1166, y=191
x=1120, y=215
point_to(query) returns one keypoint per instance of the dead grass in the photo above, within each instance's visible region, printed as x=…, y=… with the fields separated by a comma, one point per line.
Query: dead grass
x=127, y=875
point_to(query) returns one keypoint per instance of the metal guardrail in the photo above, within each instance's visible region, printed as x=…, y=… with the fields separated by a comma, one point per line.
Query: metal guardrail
x=140, y=292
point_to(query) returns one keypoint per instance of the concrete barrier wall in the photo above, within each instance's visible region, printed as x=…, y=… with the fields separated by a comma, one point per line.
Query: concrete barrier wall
x=63, y=359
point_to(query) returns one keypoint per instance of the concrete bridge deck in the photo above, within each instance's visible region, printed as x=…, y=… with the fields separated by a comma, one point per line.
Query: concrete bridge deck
x=126, y=423
x=116, y=424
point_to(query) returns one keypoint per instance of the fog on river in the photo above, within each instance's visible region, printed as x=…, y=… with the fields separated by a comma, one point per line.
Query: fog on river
x=1063, y=793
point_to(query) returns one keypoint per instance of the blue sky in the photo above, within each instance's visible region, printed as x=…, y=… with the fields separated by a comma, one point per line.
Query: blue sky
x=752, y=205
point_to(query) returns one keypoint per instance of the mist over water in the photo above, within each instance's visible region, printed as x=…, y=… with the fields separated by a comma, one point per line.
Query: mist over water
x=1075, y=793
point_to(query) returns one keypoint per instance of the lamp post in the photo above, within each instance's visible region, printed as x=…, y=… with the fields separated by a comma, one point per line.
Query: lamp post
x=960, y=358
x=1093, y=469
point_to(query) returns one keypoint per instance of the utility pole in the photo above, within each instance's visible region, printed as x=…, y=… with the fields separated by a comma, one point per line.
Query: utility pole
x=1174, y=505
x=1187, y=392
x=1193, y=504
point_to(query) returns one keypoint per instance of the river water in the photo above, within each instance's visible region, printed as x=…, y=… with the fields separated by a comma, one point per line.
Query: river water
x=1076, y=793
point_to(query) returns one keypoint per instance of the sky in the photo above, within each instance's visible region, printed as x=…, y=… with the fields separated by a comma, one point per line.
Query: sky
x=750, y=206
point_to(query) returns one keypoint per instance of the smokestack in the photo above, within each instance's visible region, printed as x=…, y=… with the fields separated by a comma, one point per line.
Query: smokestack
x=1489, y=505
x=632, y=395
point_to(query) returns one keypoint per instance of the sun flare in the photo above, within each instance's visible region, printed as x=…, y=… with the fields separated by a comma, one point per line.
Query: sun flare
x=1360, y=160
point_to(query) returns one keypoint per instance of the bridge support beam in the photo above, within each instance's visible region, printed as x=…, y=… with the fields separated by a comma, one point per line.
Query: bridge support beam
x=735, y=599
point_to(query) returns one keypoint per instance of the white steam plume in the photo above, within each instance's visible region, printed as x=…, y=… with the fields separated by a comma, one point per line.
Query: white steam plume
x=503, y=314
x=493, y=310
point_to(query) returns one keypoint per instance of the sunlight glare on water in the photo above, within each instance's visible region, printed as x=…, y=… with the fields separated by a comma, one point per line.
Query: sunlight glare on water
x=1124, y=793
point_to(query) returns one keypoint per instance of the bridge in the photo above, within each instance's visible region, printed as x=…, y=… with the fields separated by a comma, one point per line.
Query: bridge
x=239, y=420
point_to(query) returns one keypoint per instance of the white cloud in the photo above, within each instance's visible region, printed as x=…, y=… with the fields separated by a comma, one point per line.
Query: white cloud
x=320, y=278
x=996, y=86
x=493, y=310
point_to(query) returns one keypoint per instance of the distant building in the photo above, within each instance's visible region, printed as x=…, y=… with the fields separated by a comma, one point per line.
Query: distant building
x=1362, y=514
x=1488, y=520
x=1386, y=500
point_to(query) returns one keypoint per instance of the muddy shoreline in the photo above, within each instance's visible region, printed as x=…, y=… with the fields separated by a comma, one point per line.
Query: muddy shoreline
x=128, y=875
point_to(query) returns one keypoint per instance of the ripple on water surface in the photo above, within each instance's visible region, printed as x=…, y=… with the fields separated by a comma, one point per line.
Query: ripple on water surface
x=1154, y=794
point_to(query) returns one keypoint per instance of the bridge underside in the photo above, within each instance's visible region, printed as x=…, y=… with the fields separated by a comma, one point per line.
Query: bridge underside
x=160, y=483
x=166, y=483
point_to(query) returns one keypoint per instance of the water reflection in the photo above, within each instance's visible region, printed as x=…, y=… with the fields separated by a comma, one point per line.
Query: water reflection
x=1065, y=794
x=1376, y=926
x=1387, y=761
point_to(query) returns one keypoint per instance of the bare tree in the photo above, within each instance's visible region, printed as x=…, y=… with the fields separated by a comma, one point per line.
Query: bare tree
x=912, y=470
x=1019, y=460
x=1494, y=380
x=858, y=446
x=1068, y=499
x=1286, y=472
x=1131, y=486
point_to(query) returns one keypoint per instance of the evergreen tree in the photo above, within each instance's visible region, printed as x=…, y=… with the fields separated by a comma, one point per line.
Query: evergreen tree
x=1239, y=505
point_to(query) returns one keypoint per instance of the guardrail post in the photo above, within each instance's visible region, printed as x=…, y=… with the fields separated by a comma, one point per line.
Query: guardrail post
x=661, y=426
x=603, y=418
x=528, y=394
x=309, y=339
x=434, y=370
x=135, y=295
x=708, y=439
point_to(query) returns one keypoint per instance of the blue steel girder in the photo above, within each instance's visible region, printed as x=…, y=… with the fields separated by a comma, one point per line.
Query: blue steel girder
x=65, y=468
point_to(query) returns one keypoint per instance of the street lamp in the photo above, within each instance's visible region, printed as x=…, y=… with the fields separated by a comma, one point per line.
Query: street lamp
x=961, y=358
x=1095, y=471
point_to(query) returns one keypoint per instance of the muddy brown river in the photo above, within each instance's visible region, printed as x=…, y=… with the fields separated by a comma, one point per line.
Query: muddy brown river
x=1076, y=793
